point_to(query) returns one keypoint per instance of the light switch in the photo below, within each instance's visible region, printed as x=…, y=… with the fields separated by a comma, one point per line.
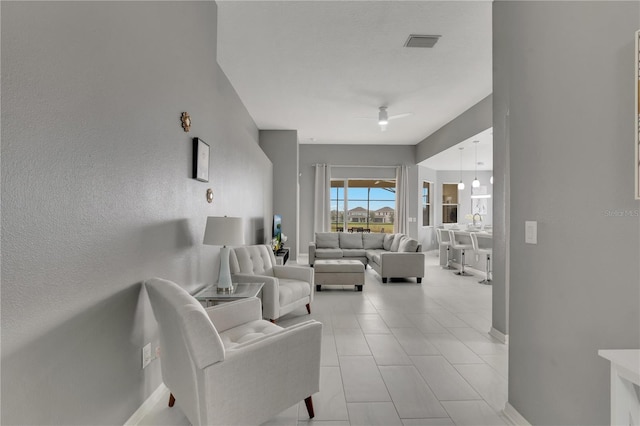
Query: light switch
x=531, y=232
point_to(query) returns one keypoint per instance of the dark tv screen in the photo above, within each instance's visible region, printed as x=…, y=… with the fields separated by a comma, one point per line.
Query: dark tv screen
x=277, y=226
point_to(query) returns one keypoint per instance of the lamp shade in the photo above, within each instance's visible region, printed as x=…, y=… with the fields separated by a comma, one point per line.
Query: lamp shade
x=223, y=231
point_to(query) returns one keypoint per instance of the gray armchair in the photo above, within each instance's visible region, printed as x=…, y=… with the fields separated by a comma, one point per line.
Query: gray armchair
x=225, y=365
x=285, y=287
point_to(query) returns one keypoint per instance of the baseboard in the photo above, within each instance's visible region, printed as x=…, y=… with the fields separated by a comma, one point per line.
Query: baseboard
x=504, y=338
x=161, y=392
x=514, y=417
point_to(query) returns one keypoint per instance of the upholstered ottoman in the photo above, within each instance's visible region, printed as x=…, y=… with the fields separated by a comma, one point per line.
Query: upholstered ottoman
x=339, y=272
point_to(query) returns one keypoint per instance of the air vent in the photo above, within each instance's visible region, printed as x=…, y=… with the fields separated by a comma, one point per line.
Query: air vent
x=416, y=40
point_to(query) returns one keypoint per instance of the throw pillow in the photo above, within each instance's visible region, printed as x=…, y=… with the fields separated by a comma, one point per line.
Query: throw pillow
x=373, y=241
x=407, y=245
x=396, y=242
x=388, y=240
x=350, y=241
x=327, y=240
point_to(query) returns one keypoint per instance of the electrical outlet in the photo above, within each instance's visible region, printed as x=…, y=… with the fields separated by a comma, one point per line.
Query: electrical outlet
x=146, y=355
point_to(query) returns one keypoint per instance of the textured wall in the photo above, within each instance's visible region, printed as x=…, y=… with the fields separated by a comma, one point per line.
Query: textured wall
x=97, y=193
x=569, y=91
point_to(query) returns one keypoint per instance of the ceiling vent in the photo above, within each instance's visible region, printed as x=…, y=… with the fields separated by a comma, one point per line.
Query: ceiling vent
x=417, y=40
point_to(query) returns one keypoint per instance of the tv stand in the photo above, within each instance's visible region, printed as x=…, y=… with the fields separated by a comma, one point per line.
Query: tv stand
x=282, y=255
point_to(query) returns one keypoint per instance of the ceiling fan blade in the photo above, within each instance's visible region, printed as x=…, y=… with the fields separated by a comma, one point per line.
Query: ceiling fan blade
x=406, y=114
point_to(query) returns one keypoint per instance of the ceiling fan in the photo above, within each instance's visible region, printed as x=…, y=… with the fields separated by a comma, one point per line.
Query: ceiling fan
x=384, y=117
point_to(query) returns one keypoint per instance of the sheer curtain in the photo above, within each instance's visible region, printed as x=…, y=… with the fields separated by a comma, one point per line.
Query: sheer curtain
x=402, y=199
x=322, y=203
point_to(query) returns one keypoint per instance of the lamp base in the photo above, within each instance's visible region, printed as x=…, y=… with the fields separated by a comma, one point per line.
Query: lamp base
x=226, y=290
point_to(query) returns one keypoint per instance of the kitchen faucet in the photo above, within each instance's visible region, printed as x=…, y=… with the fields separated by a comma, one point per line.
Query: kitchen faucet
x=474, y=219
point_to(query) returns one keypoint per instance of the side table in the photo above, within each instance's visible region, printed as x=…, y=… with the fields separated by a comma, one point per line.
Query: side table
x=210, y=296
x=282, y=256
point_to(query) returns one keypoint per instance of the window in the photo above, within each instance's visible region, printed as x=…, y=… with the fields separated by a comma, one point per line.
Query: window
x=337, y=205
x=362, y=205
x=426, y=203
x=449, y=203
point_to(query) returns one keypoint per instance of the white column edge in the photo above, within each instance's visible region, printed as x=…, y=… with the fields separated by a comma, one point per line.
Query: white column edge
x=513, y=416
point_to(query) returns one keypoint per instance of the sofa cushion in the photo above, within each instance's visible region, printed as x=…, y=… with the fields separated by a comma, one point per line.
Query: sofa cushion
x=353, y=253
x=373, y=241
x=350, y=241
x=327, y=240
x=407, y=245
x=388, y=240
x=374, y=256
x=396, y=242
x=246, y=332
x=328, y=253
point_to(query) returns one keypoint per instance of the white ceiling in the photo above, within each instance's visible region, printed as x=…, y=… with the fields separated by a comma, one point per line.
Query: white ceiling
x=320, y=66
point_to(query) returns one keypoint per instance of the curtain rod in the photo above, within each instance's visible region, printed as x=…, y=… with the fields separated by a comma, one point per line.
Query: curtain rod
x=358, y=166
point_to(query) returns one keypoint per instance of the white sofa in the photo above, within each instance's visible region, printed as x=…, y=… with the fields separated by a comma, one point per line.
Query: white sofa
x=390, y=255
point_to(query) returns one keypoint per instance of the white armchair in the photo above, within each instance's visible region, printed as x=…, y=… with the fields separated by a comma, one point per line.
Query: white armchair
x=225, y=365
x=285, y=287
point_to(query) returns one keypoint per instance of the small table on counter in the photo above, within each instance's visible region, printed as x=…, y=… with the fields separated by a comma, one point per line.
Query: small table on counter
x=209, y=295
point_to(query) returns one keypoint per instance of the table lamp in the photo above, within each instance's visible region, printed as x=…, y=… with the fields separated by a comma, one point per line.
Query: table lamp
x=223, y=231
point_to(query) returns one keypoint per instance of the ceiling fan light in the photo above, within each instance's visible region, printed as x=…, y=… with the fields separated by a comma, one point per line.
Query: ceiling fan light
x=383, y=118
x=475, y=183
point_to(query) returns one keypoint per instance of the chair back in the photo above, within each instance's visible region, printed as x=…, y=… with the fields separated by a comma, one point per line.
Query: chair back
x=188, y=340
x=474, y=241
x=254, y=260
x=442, y=235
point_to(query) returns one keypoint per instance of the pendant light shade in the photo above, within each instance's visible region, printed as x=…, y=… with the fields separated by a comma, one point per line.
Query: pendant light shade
x=461, y=184
x=475, y=183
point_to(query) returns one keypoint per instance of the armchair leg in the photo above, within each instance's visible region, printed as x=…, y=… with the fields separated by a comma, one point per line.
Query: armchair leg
x=308, y=308
x=172, y=400
x=272, y=320
x=309, y=403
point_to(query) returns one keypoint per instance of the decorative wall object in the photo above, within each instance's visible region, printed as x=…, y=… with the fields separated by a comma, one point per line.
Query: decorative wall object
x=637, y=115
x=186, y=121
x=209, y=195
x=200, y=160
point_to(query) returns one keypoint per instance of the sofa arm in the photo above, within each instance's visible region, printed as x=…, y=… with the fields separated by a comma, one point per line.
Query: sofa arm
x=395, y=264
x=312, y=253
x=287, y=363
x=270, y=292
x=300, y=273
x=232, y=314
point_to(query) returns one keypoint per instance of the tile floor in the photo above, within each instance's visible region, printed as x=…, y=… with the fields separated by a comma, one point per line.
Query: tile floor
x=400, y=354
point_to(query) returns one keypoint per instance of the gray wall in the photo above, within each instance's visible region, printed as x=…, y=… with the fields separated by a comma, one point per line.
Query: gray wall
x=570, y=95
x=281, y=146
x=372, y=157
x=476, y=119
x=97, y=194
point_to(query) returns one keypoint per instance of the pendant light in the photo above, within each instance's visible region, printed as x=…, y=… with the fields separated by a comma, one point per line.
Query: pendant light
x=476, y=182
x=461, y=184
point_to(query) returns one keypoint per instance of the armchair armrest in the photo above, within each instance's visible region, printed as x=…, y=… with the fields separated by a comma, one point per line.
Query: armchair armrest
x=302, y=273
x=287, y=363
x=233, y=314
x=270, y=292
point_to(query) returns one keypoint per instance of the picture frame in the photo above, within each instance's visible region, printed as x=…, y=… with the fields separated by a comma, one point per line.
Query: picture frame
x=637, y=114
x=200, y=160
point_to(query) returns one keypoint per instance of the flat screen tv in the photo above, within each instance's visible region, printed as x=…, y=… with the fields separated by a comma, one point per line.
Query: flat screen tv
x=277, y=228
